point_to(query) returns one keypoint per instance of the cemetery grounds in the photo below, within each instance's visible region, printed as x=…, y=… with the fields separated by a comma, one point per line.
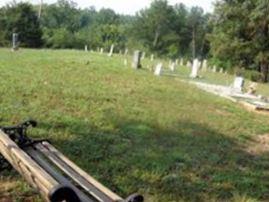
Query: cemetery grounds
x=133, y=131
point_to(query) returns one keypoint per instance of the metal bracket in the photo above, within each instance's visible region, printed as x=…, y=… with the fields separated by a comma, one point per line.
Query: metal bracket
x=18, y=134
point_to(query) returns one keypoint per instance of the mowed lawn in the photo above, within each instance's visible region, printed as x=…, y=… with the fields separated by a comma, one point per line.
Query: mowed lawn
x=133, y=131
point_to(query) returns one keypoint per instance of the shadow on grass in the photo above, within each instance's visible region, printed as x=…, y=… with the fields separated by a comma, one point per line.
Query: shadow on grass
x=186, y=161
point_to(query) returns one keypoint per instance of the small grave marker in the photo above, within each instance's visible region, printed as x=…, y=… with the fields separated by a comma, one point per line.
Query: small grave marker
x=152, y=57
x=111, y=50
x=214, y=69
x=181, y=62
x=86, y=48
x=125, y=62
x=136, y=64
x=172, y=66
x=238, y=84
x=158, y=69
x=204, y=65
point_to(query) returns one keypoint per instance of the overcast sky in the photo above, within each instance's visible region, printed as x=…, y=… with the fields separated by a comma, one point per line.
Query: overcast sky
x=125, y=6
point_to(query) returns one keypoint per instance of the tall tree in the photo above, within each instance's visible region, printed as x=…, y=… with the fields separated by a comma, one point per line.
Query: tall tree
x=22, y=19
x=240, y=34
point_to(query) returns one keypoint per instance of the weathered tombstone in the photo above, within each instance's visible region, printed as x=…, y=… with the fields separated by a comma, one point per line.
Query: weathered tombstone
x=15, y=42
x=238, y=84
x=176, y=61
x=86, y=48
x=172, y=66
x=158, y=69
x=181, y=62
x=195, y=69
x=125, y=62
x=136, y=64
x=221, y=70
x=204, y=65
x=111, y=51
x=152, y=57
x=143, y=56
x=214, y=69
x=189, y=65
x=126, y=51
x=101, y=50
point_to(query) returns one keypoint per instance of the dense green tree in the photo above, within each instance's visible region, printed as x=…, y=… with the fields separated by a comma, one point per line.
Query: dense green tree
x=22, y=19
x=240, y=34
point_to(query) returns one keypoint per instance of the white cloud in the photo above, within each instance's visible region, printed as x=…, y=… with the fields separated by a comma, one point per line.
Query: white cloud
x=126, y=6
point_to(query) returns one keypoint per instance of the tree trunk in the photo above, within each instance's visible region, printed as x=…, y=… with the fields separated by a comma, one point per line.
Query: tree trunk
x=264, y=71
x=156, y=38
x=40, y=9
x=193, y=43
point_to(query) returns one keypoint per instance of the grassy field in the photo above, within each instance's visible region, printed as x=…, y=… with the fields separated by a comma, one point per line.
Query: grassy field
x=133, y=131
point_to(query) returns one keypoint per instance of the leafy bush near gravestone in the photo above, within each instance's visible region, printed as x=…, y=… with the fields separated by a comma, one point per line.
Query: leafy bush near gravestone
x=253, y=75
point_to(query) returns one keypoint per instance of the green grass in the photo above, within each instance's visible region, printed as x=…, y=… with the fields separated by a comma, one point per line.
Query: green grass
x=131, y=130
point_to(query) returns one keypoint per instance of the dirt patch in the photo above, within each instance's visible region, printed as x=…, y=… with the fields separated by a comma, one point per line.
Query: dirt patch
x=258, y=145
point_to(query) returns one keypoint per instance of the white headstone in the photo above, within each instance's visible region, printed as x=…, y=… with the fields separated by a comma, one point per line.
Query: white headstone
x=238, y=84
x=136, y=64
x=172, y=66
x=195, y=69
x=204, y=65
x=86, y=48
x=214, y=68
x=111, y=50
x=158, y=69
x=221, y=70
x=181, y=62
x=176, y=61
x=101, y=50
x=125, y=62
x=151, y=57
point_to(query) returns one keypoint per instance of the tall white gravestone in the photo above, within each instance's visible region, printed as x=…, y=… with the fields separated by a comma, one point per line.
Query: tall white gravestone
x=86, y=48
x=204, y=65
x=111, y=50
x=152, y=57
x=136, y=64
x=172, y=66
x=181, y=62
x=15, y=42
x=195, y=69
x=158, y=69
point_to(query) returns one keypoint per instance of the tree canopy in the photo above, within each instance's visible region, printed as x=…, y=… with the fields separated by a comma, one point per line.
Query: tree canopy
x=234, y=37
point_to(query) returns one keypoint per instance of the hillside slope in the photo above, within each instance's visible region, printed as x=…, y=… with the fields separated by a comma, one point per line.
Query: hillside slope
x=132, y=131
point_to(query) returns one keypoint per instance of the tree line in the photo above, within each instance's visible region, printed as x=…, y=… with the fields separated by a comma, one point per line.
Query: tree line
x=235, y=37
